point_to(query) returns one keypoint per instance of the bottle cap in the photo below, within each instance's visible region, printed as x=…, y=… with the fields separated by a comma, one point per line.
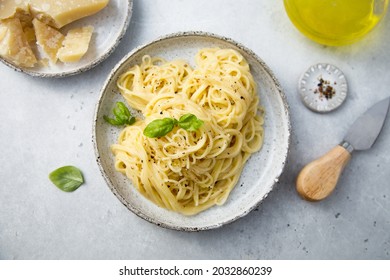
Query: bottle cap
x=323, y=87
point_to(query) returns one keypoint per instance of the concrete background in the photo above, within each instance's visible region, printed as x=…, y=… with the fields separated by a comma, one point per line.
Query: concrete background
x=47, y=123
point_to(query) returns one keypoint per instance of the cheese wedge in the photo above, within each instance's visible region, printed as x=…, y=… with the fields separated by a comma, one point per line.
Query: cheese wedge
x=59, y=13
x=14, y=46
x=75, y=44
x=3, y=31
x=11, y=8
x=48, y=38
x=16, y=9
x=30, y=34
x=24, y=22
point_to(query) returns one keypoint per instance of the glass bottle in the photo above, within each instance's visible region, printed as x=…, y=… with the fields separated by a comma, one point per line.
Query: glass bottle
x=335, y=22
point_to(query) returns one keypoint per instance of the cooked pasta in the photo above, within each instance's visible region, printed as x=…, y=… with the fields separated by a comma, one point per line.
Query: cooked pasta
x=190, y=171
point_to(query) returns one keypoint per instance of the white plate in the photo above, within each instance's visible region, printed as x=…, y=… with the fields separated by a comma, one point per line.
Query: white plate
x=261, y=171
x=110, y=25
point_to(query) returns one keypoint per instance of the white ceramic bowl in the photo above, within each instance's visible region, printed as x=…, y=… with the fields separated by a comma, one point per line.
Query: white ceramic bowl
x=110, y=25
x=261, y=171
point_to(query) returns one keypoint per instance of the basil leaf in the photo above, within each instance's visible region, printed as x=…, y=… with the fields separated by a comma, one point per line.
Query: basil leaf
x=67, y=178
x=190, y=122
x=159, y=128
x=130, y=120
x=121, y=111
x=122, y=115
x=162, y=127
x=122, y=107
x=111, y=121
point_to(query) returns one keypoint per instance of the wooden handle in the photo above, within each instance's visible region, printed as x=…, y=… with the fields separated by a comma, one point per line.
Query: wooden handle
x=319, y=178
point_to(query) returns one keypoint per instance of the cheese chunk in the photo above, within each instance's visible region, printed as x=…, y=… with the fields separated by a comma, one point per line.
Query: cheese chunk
x=48, y=38
x=16, y=9
x=11, y=8
x=75, y=44
x=59, y=13
x=30, y=34
x=14, y=46
x=3, y=31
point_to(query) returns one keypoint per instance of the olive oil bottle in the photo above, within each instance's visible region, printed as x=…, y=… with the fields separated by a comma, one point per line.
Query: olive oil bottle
x=335, y=22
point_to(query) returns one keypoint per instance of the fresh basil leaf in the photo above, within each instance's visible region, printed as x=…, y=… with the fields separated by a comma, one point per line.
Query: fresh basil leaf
x=190, y=122
x=126, y=120
x=159, y=128
x=122, y=115
x=111, y=121
x=162, y=127
x=130, y=120
x=121, y=111
x=125, y=111
x=67, y=178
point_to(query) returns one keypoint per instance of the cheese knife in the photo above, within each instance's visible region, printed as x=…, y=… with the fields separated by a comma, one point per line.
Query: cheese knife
x=318, y=179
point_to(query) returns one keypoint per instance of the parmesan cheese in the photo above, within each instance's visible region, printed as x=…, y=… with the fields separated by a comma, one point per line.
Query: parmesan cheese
x=14, y=46
x=75, y=44
x=3, y=31
x=11, y=8
x=30, y=34
x=59, y=13
x=48, y=38
x=25, y=22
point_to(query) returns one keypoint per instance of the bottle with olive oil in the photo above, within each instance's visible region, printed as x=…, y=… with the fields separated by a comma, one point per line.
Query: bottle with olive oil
x=335, y=22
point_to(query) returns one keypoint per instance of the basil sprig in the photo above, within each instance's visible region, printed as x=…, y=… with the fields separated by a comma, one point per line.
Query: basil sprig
x=67, y=178
x=162, y=127
x=122, y=115
x=190, y=122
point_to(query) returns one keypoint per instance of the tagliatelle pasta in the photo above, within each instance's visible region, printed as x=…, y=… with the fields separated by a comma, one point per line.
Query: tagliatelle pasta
x=190, y=171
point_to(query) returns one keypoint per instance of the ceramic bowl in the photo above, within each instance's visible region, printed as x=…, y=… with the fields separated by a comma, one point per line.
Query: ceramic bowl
x=110, y=25
x=260, y=173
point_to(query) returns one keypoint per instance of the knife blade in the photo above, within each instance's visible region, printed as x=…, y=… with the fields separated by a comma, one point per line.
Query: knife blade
x=318, y=179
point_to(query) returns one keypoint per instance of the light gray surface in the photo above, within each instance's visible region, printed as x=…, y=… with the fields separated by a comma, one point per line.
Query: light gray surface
x=46, y=123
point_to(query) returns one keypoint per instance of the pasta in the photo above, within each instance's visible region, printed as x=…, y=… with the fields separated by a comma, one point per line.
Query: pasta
x=190, y=171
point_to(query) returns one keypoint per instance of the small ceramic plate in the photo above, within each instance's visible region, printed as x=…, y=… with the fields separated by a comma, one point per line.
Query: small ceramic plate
x=261, y=171
x=323, y=87
x=110, y=25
